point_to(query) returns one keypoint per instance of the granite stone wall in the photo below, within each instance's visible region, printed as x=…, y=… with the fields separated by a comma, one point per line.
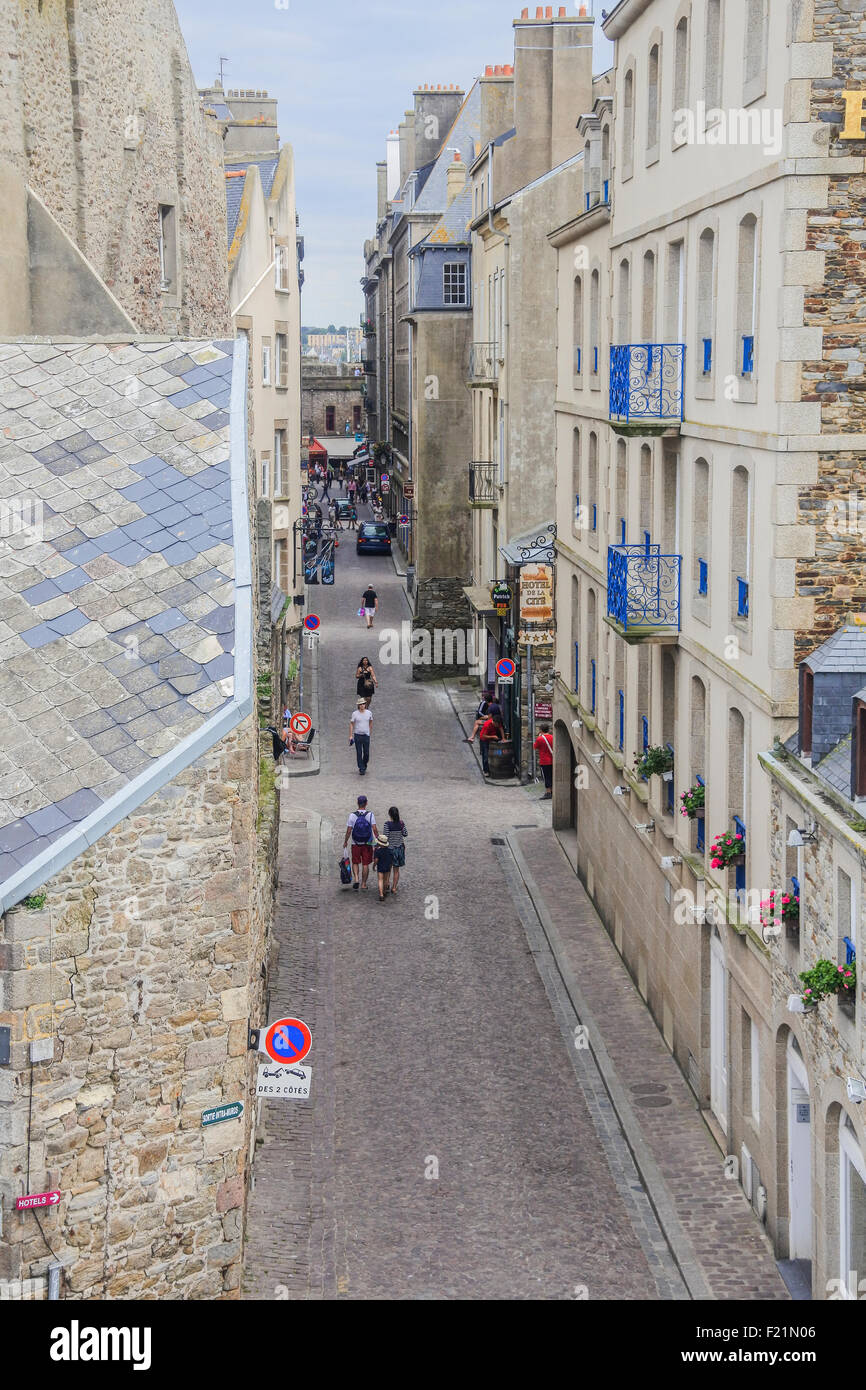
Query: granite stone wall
x=441, y=608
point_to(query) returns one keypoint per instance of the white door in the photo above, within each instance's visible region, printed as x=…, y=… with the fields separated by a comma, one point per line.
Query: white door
x=799, y=1160
x=718, y=1033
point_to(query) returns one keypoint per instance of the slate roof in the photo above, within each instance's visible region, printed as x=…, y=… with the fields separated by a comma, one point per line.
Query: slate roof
x=835, y=768
x=120, y=570
x=267, y=168
x=464, y=136
x=844, y=651
x=453, y=225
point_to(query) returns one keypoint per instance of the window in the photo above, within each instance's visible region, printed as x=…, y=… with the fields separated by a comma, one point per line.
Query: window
x=674, y=292
x=575, y=630
x=621, y=694
x=806, y=697
x=621, y=489
x=652, y=102
x=454, y=283
x=282, y=362
x=681, y=65
x=279, y=458
x=712, y=92
x=648, y=298
x=740, y=526
x=747, y=293
x=592, y=488
x=356, y=417
x=266, y=476
x=754, y=55
x=706, y=299
x=575, y=478
x=281, y=267
x=628, y=124
x=330, y=419
x=751, y=1068
x=578, y=323
x=266, y=363
x=167, y=241
x=852, y=1209
x=623, y=318
x=646, y=493
x=593, y=321
x=281, y=565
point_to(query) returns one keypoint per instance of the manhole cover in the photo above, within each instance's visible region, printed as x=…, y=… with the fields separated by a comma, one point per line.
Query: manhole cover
x=652, y=1102
x=649, y=1087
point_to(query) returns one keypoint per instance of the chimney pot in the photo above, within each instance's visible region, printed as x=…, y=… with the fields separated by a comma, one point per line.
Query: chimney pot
x=524, y=14
x=548, y=13
x=539, y=12
x=488, y=71
x=581, y=14
x=562, y=12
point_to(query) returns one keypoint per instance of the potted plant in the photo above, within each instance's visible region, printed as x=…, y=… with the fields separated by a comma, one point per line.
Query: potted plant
x=781, y=905
x=693, y=801
x=654, y=762
x=727, y=851
x=825, y=978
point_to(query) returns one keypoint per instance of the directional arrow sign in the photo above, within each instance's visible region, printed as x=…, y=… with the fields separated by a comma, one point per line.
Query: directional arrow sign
x=37, y=1199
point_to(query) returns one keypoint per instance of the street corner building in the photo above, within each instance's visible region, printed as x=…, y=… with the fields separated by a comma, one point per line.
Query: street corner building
x=137, y=824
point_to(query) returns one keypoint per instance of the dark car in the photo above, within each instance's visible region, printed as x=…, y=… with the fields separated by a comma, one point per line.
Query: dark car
x=373, y=539
x=344, y=508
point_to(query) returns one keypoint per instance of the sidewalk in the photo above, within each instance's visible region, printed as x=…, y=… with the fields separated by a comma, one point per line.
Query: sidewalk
x=719, y=1245
x=464, y=694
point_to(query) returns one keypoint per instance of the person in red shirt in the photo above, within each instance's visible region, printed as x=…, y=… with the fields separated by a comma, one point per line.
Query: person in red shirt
x=491, y=731
x=543, y=746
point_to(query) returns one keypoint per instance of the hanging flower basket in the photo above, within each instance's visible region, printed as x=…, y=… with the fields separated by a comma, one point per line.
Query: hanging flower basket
x=827, y=978
x=692, y=802
x=654, y=762
x=784, y=906
x=727, y=851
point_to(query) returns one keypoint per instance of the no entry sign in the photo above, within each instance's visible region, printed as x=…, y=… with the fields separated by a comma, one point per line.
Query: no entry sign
x=288, y=1040
x=300, y=724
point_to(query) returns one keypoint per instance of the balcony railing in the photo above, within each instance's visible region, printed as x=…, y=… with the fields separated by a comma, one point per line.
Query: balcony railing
x=643, y=589
x=483, y=491
x=646, y=381
x=370, y=405
x=483, y=361
x=369, y=365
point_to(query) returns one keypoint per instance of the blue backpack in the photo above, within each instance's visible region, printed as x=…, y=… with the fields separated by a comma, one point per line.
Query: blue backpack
x=362, y=830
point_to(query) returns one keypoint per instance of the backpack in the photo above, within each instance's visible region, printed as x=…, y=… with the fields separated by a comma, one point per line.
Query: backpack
x=366, y=830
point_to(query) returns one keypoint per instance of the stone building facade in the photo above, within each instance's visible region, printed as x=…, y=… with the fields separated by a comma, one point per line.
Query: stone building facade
x=101, y=121
x=331, y=394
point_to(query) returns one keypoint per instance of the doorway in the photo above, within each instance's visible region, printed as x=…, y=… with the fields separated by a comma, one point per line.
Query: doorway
x=718, y=1032
x=852, y=1211
x=799, y=1157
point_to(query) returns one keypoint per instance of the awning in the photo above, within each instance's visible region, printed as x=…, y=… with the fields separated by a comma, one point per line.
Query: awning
x=479, y=599
x=534, y=547
x=278, y=603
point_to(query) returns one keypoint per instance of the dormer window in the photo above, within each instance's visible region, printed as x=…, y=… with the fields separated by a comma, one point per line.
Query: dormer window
x=807, y=686
x=858, y=760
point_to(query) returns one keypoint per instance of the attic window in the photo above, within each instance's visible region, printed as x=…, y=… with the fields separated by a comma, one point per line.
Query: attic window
x=807, y=685
x=454, y=283
x=167, y=244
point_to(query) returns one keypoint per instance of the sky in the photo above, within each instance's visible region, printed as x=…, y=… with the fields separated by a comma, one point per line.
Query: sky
x=343, y=74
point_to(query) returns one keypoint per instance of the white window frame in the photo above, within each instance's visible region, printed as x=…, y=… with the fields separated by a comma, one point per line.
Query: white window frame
x=266, y=364
x=461, y=286
x=265, y=476
x=281, y=269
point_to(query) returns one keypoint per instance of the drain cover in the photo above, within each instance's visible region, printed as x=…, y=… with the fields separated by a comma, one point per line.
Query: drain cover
x=652, y=1102
x=496, y=840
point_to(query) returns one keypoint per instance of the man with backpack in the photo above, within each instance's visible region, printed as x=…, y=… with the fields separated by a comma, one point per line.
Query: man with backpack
x=361, y=826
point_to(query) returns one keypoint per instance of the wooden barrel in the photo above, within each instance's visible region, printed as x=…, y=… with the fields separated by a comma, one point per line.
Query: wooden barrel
x=500, y=758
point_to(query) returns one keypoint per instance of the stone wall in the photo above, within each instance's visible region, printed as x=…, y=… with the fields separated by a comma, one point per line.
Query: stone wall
x=144, y=968
x=835, y=260
x=441, y=607
x=319, y=390
x=100, y=115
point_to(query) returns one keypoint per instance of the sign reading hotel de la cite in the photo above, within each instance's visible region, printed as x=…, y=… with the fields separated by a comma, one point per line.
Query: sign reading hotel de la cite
x=854, y=127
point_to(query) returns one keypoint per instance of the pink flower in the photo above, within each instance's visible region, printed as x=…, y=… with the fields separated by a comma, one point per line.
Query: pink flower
x=716, y=863
x=807, y=991
x=738, y=837
x=840, y=969
x=786, y=898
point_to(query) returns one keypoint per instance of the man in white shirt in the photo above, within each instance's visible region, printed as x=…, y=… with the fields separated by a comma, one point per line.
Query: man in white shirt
x=360, y=725
x=362, y=850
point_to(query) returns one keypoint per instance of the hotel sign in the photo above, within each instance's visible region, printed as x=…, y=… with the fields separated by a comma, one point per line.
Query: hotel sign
x=855, y=116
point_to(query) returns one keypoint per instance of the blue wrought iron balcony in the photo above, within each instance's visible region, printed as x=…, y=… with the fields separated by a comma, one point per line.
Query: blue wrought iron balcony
x=646, y=382
x=643, y=591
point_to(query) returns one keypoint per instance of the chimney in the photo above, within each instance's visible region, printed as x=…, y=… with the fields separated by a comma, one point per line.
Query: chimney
x=408, y=161
x=392, y=161
x=552, y=86
x=381, y=189
x=455, y=178
x=436, y=110
x=497, y=102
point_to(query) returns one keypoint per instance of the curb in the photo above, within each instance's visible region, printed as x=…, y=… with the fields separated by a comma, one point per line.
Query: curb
x=311, y=766
x=473, y=747
x=650, y=1174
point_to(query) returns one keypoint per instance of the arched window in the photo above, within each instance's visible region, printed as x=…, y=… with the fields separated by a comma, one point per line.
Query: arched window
x=670, y=534
x=754, y=57
x=648, y=298
x=645, y=512
x=593, y=518
x=698, y=742
x=628, y=124
x=747, y=295
x=594, y=344
x=623, y=319
x=681, y=65
x=577, y=321
x=592, y=672
x=701, y=528
x=706, y=301
x=669, y=695
x=740, y=537
x=712, y=92
x=575, y=481
x=652, y=100
x=575, y=633
x=605, y=163
x=620, y=517
x=736, y=766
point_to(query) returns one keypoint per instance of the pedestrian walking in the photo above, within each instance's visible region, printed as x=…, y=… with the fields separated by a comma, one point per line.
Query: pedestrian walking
x=396, y=833
x=363, y=492
x=360, y=725
x=351, y=489
x=326, y=489
x=384, y=861
x=353, y=518
x=332, y=514
x=362, y=828
x=491, y=731
x=366, y=678
x=370, y=604
x=543, y=746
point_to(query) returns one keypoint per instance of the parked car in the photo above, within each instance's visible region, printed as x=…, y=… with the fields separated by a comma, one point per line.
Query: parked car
x=344, y=508
x=373, y=539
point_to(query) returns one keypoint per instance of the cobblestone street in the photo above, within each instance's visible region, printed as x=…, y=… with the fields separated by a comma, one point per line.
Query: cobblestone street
x=443, y=1042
